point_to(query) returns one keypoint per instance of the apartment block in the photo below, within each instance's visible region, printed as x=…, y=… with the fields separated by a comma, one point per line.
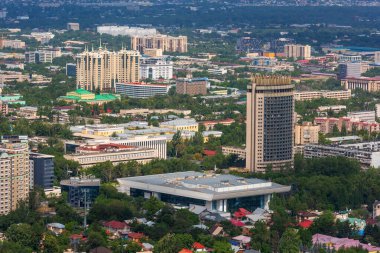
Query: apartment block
x=102, y=69
x=366, y=153
x=192, y=87
x=41, y=56
x=14, y=44
x=306, y=133
x=165, y=42
x=327, y=125
x=297, y=51
x=14, y=172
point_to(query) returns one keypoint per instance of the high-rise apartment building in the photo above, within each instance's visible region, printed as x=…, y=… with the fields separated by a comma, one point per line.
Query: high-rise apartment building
x=165, y=42
x=270, y=126
x=102, y=69
x=297, y=51
x=14, y=172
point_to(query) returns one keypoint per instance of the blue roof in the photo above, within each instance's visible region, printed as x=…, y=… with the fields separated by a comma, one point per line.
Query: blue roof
x=56, y=225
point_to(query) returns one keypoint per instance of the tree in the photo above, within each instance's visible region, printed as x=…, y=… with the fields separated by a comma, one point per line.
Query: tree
x=173, y=243
x=132, y=247
x=95, y=239
x=51, y=244
x=13, y=247
x=290, y=241
x=22, y=234
x=152, y=206
x=324, y=224
x=222, y=247
x=261, y=237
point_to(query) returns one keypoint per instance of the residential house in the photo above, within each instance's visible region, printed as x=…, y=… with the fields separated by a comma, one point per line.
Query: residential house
x=56, y=228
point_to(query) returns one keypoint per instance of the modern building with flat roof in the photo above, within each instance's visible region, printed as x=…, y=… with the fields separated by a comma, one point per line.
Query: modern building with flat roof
x=91, y=155
x=221, y=192
x=81, y=191
x=42, y=170
x=181, y=124
x=141, y=90
x=366, y=153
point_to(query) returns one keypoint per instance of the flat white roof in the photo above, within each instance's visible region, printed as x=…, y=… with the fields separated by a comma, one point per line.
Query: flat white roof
x=202, y=186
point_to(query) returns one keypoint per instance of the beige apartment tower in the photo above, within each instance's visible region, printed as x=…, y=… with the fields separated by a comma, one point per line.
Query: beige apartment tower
x=14, y=172
x=270, y=126
x=164, y=42
x=102, y=69
x=297, y=51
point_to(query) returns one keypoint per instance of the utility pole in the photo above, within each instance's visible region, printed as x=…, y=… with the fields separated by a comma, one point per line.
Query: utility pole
x=85, y=207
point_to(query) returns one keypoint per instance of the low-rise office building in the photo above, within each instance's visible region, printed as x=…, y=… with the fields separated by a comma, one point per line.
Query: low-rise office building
x=90, y=155
x=224, y=193
x=156, y=68
x=82, y=191
x=366, y=153
x=370, y=84
x=192, y=87
x=229, y=150
x=81, y=95
x=209, y=125
x=333, y=94
x=73, y=26
x=364, y=116
x=12, y=99
x=142, y=90
x=181, y=124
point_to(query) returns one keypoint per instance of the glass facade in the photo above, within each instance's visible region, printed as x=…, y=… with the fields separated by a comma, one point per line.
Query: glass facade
x=249, y=203
x=278, y=128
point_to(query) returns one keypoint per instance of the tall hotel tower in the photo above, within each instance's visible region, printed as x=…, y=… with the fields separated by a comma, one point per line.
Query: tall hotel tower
x=270, y=108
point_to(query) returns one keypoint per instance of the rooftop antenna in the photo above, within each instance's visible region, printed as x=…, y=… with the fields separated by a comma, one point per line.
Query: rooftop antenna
x=100, y=43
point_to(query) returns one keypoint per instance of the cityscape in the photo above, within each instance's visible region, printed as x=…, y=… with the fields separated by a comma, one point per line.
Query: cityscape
x=172, y=126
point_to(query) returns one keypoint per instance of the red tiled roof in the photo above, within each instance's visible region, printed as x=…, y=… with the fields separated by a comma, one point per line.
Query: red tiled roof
x=237, y=223
x=76, y=236
x=305, y=224
x=197, y=245
x=185, y=251
x=135, y=235
x=115, y=224
x=209, y=152
x=244, y=211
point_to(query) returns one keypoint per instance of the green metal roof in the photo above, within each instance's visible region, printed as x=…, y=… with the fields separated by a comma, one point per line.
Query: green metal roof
x=82, y=91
